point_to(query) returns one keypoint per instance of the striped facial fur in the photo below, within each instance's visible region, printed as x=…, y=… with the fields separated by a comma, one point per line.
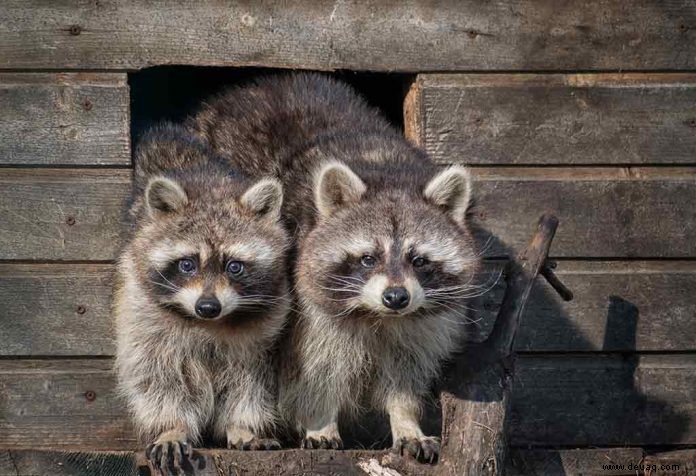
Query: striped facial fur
x=213, y=260
x=391, y=254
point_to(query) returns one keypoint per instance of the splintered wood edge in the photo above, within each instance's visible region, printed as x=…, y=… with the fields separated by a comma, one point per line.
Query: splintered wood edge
x=413, y=117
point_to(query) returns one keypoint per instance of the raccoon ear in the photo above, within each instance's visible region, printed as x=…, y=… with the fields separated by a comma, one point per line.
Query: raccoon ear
x=264, y=198
x=164, y=195
x=335, y=186
x=451, y=191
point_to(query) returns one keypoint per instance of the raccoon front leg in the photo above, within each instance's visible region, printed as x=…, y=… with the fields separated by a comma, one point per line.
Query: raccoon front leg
x=246, y=414
x=408, y=438
x=322, y=433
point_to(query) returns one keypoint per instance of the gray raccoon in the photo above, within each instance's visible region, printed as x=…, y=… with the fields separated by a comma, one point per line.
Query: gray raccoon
x=200, y=299
x=385, y=260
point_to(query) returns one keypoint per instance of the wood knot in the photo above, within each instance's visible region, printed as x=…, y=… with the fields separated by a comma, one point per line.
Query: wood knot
x=90, y=395
x=80, y=309
x=70, y=221
x=75, y=30
x=472, y=34
x=87, y=104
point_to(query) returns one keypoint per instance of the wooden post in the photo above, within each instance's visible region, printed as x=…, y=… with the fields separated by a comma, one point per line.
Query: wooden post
x=477, y=388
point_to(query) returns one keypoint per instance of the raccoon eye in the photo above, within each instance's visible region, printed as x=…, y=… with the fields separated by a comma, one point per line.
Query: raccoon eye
x=368, y=261
x=419, y=261
x=187, y=266
x=235, y=268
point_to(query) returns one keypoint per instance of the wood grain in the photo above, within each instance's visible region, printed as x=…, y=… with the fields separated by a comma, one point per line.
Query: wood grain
x=389, y=36
x=64, y=310
x=603, y=461
x=604, y=212
x=64, y=119
x=555, y=118
x=559, y=400
x=62, y=214
x=45, y=405
x=56, y=310
x=619, y=306
x=211, y=462
x=596, y=400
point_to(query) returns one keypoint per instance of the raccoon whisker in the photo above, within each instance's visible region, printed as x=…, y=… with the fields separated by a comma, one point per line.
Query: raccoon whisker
x=486, y=246
x=169, y=282
x=171, y=288
x=346, y=279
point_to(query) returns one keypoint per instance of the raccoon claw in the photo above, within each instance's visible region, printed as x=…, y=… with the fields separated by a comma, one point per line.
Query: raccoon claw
x=425, y=450
x=322, y=443
x=170, y=457
x=255, y=444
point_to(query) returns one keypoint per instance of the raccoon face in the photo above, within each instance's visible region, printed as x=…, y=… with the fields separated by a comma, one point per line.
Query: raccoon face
x=391, y=252
x=208, y=257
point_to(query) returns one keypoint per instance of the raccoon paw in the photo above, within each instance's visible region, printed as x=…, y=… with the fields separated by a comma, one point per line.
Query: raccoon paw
x=170, y=454
x=321, y=443
x=255, y=444
x=425, y=449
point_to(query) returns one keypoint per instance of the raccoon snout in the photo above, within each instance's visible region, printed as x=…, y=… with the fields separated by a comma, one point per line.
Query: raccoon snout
x=208, y=308
x=396, y=298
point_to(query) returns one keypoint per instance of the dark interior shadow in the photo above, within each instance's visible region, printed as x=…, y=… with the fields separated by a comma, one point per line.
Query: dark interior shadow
x=172, y=93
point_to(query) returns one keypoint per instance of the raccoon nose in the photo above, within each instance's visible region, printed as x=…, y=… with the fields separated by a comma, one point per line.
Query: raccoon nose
x=395, y=298
x=208, y=307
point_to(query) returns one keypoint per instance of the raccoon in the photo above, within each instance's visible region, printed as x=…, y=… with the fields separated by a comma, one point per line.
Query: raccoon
x=384, y=260
x=201, y=296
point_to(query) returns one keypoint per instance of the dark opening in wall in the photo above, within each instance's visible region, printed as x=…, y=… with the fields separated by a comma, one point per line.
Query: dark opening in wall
x=174, y=92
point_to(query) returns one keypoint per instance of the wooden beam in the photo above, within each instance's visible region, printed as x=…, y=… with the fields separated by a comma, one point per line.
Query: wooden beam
x=604, y=400
x=554, y=119
x=214, y=462
x=386, y=36
x=64, y=119
x=632, y=210
x=604, y=461
x=62, y=214
x=56, y=310
x=64, y=309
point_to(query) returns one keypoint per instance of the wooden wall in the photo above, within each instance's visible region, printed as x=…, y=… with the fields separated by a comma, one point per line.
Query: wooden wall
x=587, y=109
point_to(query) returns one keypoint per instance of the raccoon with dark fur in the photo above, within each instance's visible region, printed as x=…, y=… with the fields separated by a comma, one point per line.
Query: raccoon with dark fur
x=384, y=262
x=200, y=299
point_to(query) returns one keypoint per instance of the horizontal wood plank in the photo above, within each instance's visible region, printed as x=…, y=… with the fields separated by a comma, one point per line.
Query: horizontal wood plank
x=604, y=212
x=389, y=36
x=597, y=400
x=64, y=119
x=574, y=462
x=56, y=310
x=618, y=306
x=64, y=310
x=47, y=405
x=62, y=214
x=670, y=463
x=211, y=462
x=559, y=400
x=555, y=118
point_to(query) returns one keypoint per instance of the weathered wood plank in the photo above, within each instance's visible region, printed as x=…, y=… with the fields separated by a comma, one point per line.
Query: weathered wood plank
x=64, y=310
x=555, y=119
x=599, y=400
x=389, y=36
x=48, y=405
x=62, y=214
x=212, y=463
x=559, y=400
x=56, y=310
x=618, y=306
x=64, y=119
x=575, y=462
x=76, y=463
x=604, y=212
x=671, y=463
